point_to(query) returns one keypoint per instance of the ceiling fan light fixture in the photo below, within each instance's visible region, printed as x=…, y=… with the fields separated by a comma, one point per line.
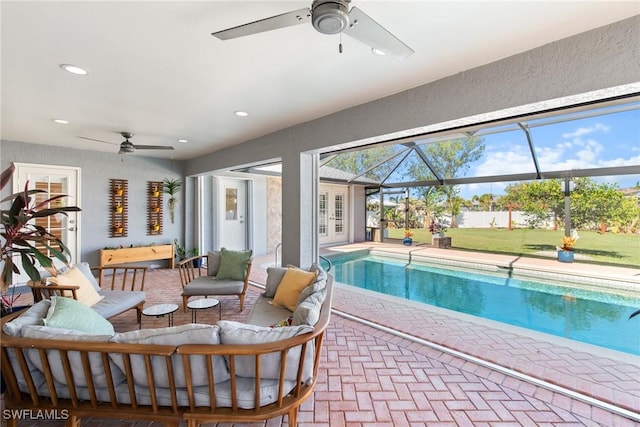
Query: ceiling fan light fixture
x=330, y=16
x=74, y=69
x=61, y=121
x=183, y=141
x=241, y=113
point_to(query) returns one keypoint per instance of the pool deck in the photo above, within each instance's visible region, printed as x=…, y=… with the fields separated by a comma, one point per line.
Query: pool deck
x=388, y=362
x=608, y=376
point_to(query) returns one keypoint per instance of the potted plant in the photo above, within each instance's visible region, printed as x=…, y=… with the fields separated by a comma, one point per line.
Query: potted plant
x=437, y=229
x=181, y=253
x=171, y=187
x=565, y=252
x=196, y=262
x=407, y=241
x=23, y=238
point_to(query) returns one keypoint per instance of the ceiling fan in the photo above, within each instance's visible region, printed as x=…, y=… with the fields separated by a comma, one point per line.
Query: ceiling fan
x=329, y=17
x=127, y=146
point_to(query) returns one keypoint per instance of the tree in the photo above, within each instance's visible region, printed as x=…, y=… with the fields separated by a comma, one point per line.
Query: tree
x=594, y=203
x=591, y=204
x=356, y=162
x=449, y=159
x=541, y=201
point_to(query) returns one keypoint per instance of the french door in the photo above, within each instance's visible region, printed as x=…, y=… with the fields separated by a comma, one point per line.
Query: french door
x=54, y=180
x=333, y=214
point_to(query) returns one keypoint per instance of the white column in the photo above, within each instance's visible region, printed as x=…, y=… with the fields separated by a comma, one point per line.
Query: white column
x=299, y=209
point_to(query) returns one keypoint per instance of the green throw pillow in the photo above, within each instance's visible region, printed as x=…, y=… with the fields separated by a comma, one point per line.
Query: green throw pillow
x=67, y=313
x=233, y=264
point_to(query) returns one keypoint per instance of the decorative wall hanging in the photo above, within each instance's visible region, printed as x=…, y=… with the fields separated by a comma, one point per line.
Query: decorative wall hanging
x=118, y=204
x=154, y=208
x=171, y=187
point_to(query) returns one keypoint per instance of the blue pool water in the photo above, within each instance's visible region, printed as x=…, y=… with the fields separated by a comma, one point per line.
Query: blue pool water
x=589, y=316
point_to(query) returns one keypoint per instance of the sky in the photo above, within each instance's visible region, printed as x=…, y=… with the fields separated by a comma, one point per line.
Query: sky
x=601, y=141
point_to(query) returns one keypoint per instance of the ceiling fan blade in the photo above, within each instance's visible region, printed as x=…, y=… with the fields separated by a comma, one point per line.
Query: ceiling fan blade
x=368, y=31
x=152, y=147
x=97, y=140
x=275, y=22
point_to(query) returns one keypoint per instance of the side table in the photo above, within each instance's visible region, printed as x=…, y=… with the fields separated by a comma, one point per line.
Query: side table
x=160, y=310
x=201, y=304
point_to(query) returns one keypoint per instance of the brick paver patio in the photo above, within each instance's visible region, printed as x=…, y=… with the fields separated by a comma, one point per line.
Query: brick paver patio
x=371, y=377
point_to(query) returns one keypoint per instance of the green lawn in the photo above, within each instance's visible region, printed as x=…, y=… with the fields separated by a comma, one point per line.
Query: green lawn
x=623, y=249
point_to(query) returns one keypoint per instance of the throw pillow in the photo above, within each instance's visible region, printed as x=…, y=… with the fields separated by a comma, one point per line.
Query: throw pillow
x=292, y=284
x=274, y=277
x=86, y=293
x=233, y=264
x=85, y=268
x=316, y=286
x=67, y=313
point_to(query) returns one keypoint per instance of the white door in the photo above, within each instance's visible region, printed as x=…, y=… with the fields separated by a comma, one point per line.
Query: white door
x=333, y=215
x=54, y=180
x=232, y=200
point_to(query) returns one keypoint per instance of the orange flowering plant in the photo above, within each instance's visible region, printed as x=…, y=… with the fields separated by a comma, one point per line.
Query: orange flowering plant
x=407, y=233
x=568, y=242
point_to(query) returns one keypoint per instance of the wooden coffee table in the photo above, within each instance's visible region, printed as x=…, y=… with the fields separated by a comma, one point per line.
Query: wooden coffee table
x=160, y=310
x=201, y=304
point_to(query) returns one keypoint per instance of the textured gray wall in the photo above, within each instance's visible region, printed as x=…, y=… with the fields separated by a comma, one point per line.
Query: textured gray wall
x=97, y=169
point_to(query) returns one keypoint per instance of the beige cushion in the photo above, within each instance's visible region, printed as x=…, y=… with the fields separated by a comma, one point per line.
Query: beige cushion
x=190, y=333
x=240, y=333
x=86, y=294
x=292, y=284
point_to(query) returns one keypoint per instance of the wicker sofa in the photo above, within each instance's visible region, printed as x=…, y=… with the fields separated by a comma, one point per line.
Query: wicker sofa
x=228, y=372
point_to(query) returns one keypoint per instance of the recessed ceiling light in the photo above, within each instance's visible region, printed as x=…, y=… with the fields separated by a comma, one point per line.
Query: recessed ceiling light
x=184, y=141
x=378, y=52
x=241, y=113
x=61, y=121
x=74, y=69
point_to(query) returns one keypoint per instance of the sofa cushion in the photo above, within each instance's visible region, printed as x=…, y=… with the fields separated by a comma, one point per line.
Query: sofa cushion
x=317, y=285
x=175, y=335
x=233, y=264
x=55, y=361
x=213, y=262
x=67, y=313
x=240, y=333
x=263, y=313
x=292, y=284
x=207, y=285
x=34, y=315
x=245, y=395
x=115, y=302
x=86, y=293
x=307, y=312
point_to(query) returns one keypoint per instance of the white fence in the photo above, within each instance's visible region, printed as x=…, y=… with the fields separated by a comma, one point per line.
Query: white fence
x=499, y=219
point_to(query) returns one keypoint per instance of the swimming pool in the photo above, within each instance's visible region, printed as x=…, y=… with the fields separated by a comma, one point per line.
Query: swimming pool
x=590, y=316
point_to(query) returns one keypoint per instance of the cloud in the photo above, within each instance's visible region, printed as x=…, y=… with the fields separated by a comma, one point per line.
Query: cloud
x=586, y=130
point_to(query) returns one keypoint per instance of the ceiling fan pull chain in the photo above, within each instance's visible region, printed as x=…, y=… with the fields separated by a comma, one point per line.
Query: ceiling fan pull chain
x=340, y=44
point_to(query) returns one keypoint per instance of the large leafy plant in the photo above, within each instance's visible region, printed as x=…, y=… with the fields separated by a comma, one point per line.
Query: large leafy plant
x=23, y=238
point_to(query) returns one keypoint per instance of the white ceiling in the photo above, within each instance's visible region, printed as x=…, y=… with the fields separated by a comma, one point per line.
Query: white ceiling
x=156, y=71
